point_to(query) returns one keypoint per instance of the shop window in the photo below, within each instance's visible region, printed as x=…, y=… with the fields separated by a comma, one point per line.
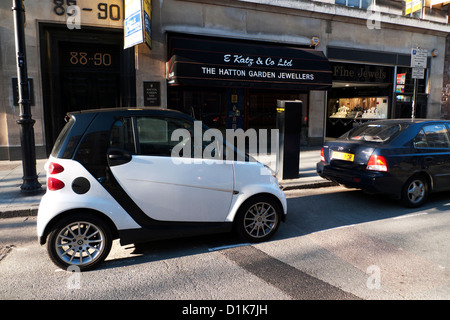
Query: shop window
x=359, y=108
x=262, y=107
x=404, y=95
x=206, y=104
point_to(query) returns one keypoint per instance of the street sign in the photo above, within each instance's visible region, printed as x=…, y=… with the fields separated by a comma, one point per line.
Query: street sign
x=419, y=58
x=418, y=73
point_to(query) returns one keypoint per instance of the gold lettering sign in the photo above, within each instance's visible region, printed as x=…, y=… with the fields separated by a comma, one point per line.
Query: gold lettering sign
x=106, y=12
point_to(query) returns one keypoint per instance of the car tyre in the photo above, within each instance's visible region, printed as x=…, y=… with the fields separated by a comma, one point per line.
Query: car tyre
x=415, y=191
x=258, y=219
x=80, y=240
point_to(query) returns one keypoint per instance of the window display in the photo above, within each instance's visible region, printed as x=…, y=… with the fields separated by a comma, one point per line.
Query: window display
x=359, y=108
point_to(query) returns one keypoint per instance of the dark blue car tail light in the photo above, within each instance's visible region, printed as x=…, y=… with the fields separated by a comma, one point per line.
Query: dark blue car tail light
x=377, y=163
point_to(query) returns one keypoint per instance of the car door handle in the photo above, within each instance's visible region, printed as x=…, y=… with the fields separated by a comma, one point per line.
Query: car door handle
x=118, y=157
x=428, y=159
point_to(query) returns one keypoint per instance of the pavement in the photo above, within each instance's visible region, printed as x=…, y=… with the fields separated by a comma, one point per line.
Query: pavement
x=15, y=203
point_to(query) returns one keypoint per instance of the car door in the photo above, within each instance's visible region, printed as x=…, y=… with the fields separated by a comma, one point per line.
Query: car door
x=168, y=186
x=433, y=145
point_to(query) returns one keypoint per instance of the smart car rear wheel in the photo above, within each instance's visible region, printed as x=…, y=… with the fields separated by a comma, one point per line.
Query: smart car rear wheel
x=258, y=219
x=82, y=240
x=415, y=192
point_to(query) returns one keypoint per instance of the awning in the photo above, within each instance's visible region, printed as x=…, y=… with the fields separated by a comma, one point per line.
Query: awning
x=212, y=62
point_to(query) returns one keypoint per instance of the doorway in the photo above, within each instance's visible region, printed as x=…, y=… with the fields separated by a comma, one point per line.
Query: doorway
x=83, y=69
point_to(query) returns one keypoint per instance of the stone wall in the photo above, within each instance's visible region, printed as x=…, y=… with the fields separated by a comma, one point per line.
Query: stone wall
x=445, y=106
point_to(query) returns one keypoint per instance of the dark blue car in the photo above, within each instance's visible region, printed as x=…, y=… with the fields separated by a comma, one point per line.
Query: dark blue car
x=403, y=158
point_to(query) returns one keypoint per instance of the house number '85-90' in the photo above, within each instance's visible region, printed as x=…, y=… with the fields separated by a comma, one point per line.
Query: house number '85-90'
x=105, y=11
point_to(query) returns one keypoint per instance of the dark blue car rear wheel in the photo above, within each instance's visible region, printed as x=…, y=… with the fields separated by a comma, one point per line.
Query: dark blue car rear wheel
x=415, y=191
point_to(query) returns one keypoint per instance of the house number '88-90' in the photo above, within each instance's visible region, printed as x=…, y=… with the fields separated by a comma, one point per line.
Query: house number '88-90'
x=105, y=11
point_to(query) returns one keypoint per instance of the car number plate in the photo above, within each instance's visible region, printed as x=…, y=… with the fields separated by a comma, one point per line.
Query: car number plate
x=343, y=156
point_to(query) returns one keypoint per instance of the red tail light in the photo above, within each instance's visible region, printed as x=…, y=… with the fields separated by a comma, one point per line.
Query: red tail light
x=55, y=168
x=377, y=163
x=322, y=156
x=54, y=184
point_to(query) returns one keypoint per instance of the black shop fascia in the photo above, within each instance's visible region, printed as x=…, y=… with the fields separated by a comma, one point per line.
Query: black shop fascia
x=235, y=84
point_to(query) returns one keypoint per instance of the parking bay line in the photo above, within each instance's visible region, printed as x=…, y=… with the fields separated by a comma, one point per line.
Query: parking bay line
x=411, y=215
x=297, y=284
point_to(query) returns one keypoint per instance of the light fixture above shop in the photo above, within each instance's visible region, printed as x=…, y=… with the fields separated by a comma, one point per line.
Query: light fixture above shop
x=315, y=41
x=434, y=52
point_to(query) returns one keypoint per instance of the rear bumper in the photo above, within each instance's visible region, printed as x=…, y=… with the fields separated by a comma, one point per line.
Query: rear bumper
x=370, y=181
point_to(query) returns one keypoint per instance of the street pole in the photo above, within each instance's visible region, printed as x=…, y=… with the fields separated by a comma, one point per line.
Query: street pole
x=30, y=180
x=413, y=106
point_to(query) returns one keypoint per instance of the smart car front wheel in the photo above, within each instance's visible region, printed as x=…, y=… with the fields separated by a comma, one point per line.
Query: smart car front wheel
x=82, y=240
x=258, y=219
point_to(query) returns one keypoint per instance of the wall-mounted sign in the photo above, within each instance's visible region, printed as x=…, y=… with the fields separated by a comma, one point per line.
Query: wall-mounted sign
x=90, y=11
x=137, y=23
x=152, y=94
x=348, y=72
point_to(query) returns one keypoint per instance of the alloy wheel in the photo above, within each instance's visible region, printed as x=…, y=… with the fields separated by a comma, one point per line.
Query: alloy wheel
x=81, y=240
x=416, y=191
x=260, y=220
x=80, y=243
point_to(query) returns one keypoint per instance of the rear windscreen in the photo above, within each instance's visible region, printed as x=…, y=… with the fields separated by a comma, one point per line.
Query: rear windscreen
x=375, y=132
x=62, y=137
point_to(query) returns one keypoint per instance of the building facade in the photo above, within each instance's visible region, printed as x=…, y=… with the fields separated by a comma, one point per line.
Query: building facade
x=226, y=63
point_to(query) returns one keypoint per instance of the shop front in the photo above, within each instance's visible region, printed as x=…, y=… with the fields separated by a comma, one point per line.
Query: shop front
x=371, y=86
x=232, y=84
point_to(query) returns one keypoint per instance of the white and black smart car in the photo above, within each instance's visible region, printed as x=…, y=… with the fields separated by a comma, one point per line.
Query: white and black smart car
x=139, y=175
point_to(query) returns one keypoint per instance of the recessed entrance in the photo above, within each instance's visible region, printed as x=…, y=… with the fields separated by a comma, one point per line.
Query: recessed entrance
x=83, y=69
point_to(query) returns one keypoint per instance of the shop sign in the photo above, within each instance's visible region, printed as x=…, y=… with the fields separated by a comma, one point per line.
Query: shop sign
x=412, y=6
x=137, y=23
x=347, y=72
x=198, y=62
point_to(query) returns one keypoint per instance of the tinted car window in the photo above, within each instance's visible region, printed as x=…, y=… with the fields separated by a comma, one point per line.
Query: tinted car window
x=433, y=136
x=122, y=135
x=62, y=137
x=155, y=134
x=375, y=132
x=420, y=141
